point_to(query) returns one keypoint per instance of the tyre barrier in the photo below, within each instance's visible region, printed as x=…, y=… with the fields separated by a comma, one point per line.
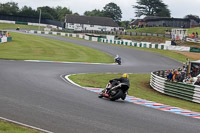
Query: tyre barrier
x=175, y=89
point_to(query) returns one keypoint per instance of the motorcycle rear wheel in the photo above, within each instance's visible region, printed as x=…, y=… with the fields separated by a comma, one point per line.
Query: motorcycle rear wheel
x=118, y=95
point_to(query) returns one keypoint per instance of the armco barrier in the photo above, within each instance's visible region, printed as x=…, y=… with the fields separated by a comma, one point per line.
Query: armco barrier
x=175, y=89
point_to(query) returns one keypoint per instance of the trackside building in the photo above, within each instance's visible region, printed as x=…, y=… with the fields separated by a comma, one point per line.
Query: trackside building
x=85, y=23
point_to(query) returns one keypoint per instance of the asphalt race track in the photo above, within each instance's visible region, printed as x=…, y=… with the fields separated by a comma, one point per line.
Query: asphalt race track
x=35, y=94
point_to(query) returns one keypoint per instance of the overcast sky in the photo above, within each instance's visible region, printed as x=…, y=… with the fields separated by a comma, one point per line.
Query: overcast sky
x=178, y=8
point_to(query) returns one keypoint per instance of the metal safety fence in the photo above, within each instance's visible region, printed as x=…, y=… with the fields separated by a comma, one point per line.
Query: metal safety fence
x=176, y=89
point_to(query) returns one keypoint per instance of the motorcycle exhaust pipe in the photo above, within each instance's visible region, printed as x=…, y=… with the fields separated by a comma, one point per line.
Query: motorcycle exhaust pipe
x=106, y=95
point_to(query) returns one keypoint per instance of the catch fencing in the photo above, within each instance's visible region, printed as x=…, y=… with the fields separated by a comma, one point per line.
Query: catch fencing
x=176, y=89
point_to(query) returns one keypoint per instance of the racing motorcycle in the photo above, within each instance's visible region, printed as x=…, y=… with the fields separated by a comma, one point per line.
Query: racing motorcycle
x=116, y=92
x=118, y=60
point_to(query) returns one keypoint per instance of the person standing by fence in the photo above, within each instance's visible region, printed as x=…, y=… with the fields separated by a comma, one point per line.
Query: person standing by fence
x=198, y=81
x=170, y=75
x=193, y=35
x=197, y=35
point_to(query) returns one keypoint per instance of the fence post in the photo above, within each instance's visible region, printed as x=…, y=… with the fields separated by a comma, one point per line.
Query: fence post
x=163, y=74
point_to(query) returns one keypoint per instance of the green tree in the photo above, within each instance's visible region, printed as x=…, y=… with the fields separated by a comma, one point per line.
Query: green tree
x=125, y=24
x=61, y=13
x=48, y=12
x=28, y=11
x=94, y=12
x=113, y=11
x=194, y=17
x=151, y=8
x=76, y=14
x=9, y=8
x=163, y=12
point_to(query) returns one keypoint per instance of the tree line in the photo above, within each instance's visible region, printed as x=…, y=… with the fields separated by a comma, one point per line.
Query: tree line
x=58, y=13
x=112, y=10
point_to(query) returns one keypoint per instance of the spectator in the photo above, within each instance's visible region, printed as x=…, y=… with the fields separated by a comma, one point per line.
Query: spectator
x=198, y=81
x=175, y=73
x=182, y=71
x=184, y=25
x=173, y=42
x=178, y=77
x=189, y=79
x=8, y=35
x=197, y=35
x=193, y=35
x=170, y=75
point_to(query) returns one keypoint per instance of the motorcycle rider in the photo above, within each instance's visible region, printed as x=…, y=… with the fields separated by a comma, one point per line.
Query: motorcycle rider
x=117, y=58
x=124, y=79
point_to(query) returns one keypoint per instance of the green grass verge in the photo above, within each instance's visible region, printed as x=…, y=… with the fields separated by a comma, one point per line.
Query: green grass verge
x=30, y=47
x=4, y=26
x=196, y=29
x=156, y=30
x=167, y=53
x=171, y=54
x=6, y=127
x=139, y=87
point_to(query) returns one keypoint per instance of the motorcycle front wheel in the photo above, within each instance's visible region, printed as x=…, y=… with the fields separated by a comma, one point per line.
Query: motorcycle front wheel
x=100, y=95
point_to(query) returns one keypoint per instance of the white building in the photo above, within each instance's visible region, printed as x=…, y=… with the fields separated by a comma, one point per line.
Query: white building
x=82, y=23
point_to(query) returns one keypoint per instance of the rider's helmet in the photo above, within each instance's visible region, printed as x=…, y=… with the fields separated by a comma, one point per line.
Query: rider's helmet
x=125, y=75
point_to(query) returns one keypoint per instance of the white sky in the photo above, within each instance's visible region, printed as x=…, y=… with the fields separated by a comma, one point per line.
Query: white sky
x=178, y=8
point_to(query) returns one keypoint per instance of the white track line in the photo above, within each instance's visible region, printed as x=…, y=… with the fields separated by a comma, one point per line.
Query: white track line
x=25, y=125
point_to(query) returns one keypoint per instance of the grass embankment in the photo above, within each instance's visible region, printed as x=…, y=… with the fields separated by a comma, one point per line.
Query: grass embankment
x=179, y=56
x=6, y=127
x=29, y=47
x=156, y=30
x=196, y=29
x=4, y=26
x=160, y=30
x=152, y=39
x=139, y=87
